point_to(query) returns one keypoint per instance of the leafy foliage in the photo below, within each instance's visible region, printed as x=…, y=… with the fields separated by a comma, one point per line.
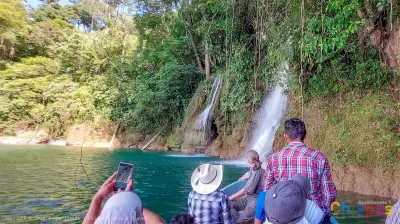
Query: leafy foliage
x=162, y=98
x=334, y=57
x=240, y=89
x=33, y=92
x=325, y=36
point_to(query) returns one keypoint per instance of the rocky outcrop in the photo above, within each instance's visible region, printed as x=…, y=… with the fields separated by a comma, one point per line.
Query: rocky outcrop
x=87, y=136
x=231, y=146
x=138, y=140
x=379, y=182
x=132, y=140
x=42, y=137
x=27, y=137
x=387, y=40
x=392, y=48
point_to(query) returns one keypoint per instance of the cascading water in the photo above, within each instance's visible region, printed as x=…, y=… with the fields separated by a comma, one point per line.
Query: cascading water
x=269, y=116
x=205, y=120
x=205, y=116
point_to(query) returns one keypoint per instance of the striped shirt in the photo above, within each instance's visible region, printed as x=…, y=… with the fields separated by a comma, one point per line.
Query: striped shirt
x=394, y=218
x=213, y=208
x=297, y=158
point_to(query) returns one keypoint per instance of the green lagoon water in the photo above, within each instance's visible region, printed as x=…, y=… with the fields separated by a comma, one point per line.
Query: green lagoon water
x=52, y=184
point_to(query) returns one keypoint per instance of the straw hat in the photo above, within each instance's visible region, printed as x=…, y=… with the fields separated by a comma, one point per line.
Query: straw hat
x=206, y=178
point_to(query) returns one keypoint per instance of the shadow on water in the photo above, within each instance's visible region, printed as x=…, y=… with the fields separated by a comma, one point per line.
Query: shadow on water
x=39, y=184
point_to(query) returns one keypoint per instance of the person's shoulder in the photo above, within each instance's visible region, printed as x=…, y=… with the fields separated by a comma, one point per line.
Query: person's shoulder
x=219, y=193
x=213, y=196
x=275, y=154
x=191, y=193
x=282, y=151
x=316, y=153
x=260, y=171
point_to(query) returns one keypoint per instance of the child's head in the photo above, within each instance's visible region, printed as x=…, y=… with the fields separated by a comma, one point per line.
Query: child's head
x=253, y=159
x=182, y=219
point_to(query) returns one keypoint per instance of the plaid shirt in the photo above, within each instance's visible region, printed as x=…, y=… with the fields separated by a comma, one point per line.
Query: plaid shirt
x=297, y=158
x=394, y=218
x=213, y=208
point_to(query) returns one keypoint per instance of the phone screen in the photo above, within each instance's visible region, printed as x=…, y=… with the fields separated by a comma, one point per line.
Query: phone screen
x=123, y=176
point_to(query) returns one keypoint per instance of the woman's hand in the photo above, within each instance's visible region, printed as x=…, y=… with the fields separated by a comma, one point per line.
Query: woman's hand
x=129, y=187
x=94, y=210
x=107, y=188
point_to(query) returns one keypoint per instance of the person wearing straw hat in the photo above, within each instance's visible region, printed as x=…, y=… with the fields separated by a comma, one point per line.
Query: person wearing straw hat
x=206, y=204
x=123, y=207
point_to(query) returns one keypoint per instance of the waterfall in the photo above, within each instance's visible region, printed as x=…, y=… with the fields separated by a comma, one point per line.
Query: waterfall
x=205, y=120
x=268, y=117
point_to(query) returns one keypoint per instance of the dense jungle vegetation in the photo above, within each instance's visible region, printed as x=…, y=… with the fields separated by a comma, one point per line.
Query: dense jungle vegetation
x=139, y=63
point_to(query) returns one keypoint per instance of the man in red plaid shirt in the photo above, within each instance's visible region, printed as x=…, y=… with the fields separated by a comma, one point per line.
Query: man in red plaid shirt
x=297, y=158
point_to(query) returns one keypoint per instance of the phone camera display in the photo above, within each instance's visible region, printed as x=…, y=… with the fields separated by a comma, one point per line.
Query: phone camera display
x=123, y=176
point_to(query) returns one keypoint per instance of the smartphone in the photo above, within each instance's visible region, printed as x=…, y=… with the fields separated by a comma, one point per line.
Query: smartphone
x=123, y=176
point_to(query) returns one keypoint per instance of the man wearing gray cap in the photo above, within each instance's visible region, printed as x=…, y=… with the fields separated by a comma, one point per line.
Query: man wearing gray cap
x=285, y=202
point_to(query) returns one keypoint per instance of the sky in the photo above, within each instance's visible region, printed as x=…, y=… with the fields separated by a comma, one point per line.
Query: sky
x=35, y=3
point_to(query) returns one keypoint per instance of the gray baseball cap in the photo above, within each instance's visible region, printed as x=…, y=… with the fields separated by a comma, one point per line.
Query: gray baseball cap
x=286, y=201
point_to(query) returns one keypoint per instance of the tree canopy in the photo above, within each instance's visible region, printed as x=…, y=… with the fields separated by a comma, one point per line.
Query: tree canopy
x=138, y=63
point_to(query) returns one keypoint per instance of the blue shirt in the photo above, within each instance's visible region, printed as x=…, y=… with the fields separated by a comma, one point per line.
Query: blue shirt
x=260, y=211
x=394, y=218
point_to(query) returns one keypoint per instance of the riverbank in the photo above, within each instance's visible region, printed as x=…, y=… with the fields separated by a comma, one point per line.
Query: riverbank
x=77, y=135
x=13, y=140
x=378, y=182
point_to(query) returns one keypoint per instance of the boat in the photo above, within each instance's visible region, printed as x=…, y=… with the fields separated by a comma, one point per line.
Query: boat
x=313, y=213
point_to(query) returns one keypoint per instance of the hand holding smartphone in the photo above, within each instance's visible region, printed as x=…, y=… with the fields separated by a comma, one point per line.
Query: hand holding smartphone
x=124, y=175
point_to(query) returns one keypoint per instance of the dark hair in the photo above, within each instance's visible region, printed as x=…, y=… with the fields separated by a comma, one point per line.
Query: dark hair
x=295, y=128
x=182, y=219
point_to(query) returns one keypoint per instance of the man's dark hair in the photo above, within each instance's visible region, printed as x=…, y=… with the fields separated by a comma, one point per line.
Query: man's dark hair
x=182, y=219
x=295, y=128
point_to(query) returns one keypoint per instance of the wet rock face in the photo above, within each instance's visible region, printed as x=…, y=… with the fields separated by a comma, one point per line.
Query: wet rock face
x=213, y=131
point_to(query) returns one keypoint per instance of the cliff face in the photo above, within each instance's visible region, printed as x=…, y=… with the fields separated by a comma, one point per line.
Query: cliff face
x=358, y=132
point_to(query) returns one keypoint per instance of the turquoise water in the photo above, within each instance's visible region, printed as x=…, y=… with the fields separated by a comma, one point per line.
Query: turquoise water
x=52, y=184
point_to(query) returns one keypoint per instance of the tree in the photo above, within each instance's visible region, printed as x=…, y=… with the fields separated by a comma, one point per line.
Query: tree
x=14, y=21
